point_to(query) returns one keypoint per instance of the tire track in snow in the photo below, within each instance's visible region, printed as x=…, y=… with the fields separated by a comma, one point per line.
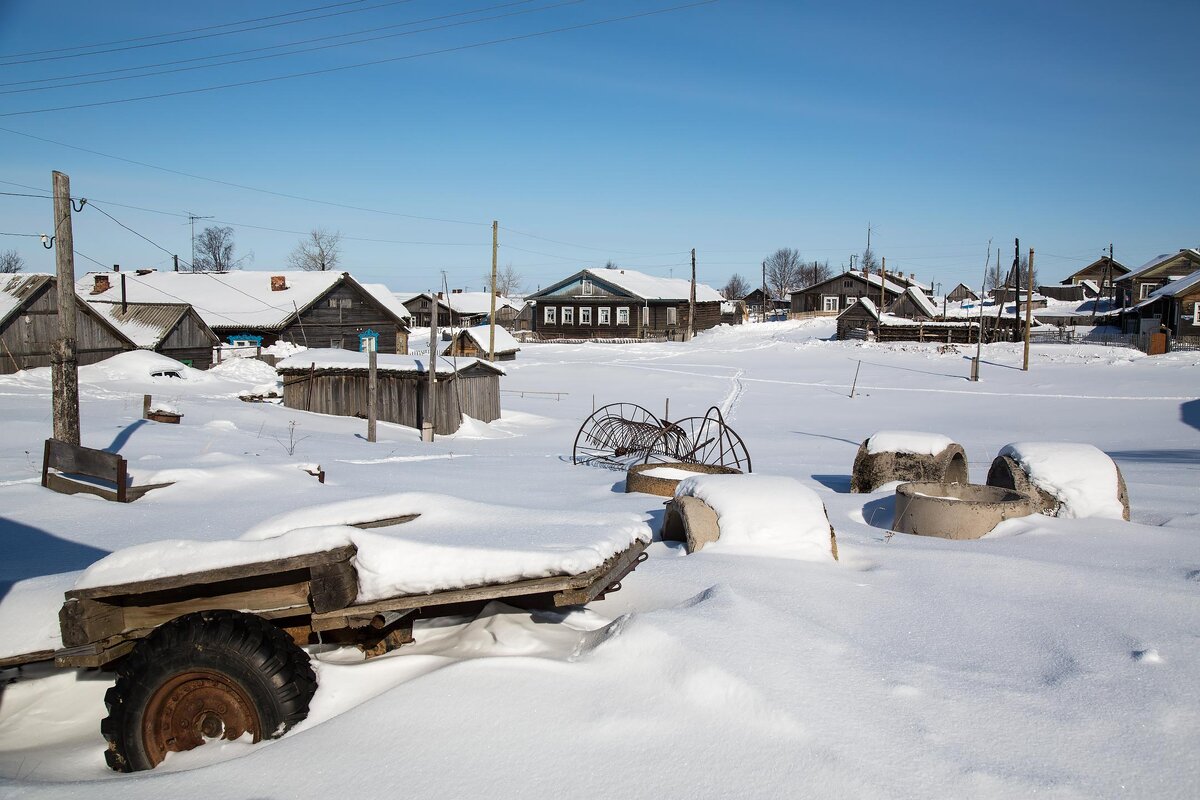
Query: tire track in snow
x=729, y=405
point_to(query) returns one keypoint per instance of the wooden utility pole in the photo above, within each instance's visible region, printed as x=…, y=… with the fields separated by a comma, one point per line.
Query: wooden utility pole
x=691, y=328
x=1028, y=311
x=1104, y=278
x=372, y=391
x=427, y=425
x=982, y=291
x=1016, y=272
x=763, y=309
x=64, y=361
x=176, y=260
x=492, y=326
x=882, y=279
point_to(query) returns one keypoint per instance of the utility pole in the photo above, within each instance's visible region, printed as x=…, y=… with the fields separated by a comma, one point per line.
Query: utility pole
x=1028, y=312
x=979, y=341
x=882, y=281
x=175, y=259
x=762, y=314
x=431, y=400
x=372, y=389
x=64, y=361
x=1104, y=278
x=691, y=328
x=1016, y=271
x=492, y=327
x=192, y=219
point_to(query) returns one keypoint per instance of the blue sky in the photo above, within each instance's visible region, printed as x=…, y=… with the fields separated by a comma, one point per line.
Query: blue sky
x=732, y=127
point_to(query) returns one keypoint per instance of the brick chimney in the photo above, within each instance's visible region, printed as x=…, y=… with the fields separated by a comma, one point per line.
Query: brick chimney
x=439, y=295
x=278, y=283
x=101, y=285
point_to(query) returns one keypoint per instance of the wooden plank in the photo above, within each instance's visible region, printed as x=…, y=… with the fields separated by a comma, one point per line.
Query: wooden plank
x=305, y=561
x=84, y=460
x=22, y=659
x=274, y=601
x=618, y=568
x=385, y=523
x=64, y=485
x=92, y=656
x=333, y=586
x=83, y=621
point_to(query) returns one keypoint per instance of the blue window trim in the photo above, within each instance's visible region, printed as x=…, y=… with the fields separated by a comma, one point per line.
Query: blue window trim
x=244, y=337
x=367, y=334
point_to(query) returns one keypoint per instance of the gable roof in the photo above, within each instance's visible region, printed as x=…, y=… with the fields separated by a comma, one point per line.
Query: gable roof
x=863, y=303
x=1173, y=289
x=1118, y=269
x=17, y=289
x=1189, y=253
x=241, y=299
x=872, y=279
x=145, y=324
x=468, y=304
x=921, y=301
x=640, y=285
x=505, y=343
x=964, y=286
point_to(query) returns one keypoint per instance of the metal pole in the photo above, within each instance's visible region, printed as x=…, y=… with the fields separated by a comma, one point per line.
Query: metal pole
x=64, y=361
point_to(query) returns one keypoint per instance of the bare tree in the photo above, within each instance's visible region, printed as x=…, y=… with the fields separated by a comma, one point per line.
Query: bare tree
x=319, y=252
x=735, y=288
x=783, y=271
x=214, y=251
x=1000, y=278
x=10, y=262
x=994, y=277
x=812, y=272
x=868, y=261
x=508, y=281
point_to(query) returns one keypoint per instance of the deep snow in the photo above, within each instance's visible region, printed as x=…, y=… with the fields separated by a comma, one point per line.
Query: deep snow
x=1056, y=657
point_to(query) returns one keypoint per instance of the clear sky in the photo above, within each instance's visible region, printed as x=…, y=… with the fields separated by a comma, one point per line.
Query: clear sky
x=733, y=127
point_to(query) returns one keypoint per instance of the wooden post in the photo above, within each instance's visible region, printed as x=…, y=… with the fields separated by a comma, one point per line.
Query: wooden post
x=146, y=402
x=882, y=280
x=427, y=422
x=64, y=361
x=372, y=393
x=175, y=259
x=762, y=314
x=691, y=328
x=1028, y=311
x=1016, y=271
x=492, y=326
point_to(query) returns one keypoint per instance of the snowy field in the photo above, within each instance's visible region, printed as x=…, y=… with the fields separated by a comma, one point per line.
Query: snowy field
x=1055, y=657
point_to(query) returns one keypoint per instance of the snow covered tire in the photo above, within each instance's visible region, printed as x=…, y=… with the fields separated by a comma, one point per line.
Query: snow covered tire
x=212, y=674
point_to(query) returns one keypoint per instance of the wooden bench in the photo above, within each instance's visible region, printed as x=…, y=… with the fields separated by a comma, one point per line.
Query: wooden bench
x=71, y=459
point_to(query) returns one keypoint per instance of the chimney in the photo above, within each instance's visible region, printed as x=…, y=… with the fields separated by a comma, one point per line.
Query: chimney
x=439, y=295
x=456, y=291
x=124, y=305
x=278, y=283
x=116, y=267
x=101, y=285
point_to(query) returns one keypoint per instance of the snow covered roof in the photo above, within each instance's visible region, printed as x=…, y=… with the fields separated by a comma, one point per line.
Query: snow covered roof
x=921, y=301
x=1091, y=285
x=17, y=289
x=505, y=343
x=144, y=324
x=334, y=359
x=1161, y=259
x=469, y=304
x=1174, y=288
x=242, y=299
x=864, y=303
x=643, y=286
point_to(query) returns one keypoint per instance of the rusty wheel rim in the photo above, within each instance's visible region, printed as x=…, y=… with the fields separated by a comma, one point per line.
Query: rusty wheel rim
x=192, y=708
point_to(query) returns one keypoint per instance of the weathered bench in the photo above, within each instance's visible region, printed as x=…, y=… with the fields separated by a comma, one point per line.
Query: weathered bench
x=71, y=459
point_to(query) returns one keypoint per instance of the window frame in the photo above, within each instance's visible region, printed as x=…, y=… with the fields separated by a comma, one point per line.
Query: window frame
x=585, y=315
x=549, y=315
x=568, y=315
x=825, y=298
x=587, y=287
x=672, y=316
x=623, y=312
x=604, y=317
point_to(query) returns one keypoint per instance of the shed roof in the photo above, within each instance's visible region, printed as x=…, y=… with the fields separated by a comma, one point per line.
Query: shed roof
x=480, y=334
x=921, y=301
x=144, y=324
x=17, y=289
x=334, y=360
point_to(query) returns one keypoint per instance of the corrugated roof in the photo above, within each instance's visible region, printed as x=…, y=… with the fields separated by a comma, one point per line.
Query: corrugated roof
x=145, y=324
x=17, y=289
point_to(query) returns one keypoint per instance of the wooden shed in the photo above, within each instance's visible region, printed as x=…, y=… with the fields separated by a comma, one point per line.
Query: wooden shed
x=173, y=329
x=29, y=324
x=474, y=343
x=962, y=292
x=335, y=382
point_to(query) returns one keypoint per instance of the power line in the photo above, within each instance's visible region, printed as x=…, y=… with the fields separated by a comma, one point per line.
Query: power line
x=180, y=33
x=376, y=62
x=131, y=230
x=202, y=36
x=304, y=50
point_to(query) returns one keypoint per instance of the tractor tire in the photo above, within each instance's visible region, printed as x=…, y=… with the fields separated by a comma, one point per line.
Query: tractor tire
x=208, y=675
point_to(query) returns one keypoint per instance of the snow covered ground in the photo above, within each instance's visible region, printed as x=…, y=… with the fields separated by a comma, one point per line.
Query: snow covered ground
x=1056, y=657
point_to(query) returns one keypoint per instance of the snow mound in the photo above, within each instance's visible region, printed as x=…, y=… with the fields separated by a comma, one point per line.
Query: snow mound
x=457, y=543
x=1081, y=476
x=249, y=371
x=917, y=442
x=767, y=513
x=140, y=365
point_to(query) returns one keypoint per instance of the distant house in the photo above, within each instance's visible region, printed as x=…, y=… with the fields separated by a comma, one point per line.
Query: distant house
x=621, y=303
x=914, y=304
x=858, y=320
x=1158, y=272
x=475, y=342
x=961, y=293
x=1096, y=272
x=314, y=309
x=29, y=325
x=836, y=294
x=1175, y=307
x=460, y=309
x=775, y=304
x=173, y=329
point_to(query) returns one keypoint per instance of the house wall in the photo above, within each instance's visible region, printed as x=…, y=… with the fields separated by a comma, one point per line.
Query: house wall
x=465, y=346
x=1187, y=314
x=843, y=287
x=708, y=315
x=961, y=293
x=190, y=341
x=855, y=317
x=26, y=338
x=336, y=319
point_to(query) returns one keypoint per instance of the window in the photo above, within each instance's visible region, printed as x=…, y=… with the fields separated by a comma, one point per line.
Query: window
x=623, y=315
x=672, y=315
x=847, y=284
x=606, y=316
x=568, y=316
x=851, y=301
x=368, y=340
x=829, y=302
x=587, y=289
x=1196, y=314
x=345, y=302
x=548, y=315
x=1146, y=289
x=585, y=316
x=646, y=316
x=245, y=340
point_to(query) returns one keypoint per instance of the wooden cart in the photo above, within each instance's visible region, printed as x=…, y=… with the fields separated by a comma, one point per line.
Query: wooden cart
x=217, y=654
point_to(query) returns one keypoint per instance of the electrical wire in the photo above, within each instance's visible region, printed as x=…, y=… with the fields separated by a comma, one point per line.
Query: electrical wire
x=131, y=230
x=376, y=62
x=313, y=49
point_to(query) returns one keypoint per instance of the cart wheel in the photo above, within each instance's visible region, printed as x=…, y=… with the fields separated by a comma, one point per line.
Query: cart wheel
x=209, y=675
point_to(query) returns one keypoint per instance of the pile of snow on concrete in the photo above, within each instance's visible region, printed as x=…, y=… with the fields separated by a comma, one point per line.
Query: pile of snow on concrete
x=1081, y=476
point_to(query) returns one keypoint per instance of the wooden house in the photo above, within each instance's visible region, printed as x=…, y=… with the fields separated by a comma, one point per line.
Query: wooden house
x=1102, y=269
x=774, y=305
x=836, y=294
x=914, y=304
x=621, y=303
x=1069, y=292
x=29, y=325
x=460, y=309
x=962, y=293
x=474, y=343
x=333, y=381
x=859, y=320
x=1158, y=272
x=173, y=329
x=314, y=309
x=1175, y=307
